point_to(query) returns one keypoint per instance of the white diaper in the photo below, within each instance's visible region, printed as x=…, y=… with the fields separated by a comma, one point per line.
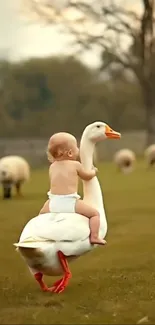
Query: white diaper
x=62, y=203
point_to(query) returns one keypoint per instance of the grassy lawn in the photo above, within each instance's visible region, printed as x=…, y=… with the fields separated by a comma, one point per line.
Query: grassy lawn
x=111, y=285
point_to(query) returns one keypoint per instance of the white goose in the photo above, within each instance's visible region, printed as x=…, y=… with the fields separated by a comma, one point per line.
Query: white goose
x=49, y=240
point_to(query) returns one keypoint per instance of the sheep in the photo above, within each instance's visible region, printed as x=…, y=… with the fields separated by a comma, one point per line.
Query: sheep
x=150, y=155
x=14, y=170
x=124, y=159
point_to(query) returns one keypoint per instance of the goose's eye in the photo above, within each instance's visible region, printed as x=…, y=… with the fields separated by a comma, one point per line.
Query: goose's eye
x=98, y=126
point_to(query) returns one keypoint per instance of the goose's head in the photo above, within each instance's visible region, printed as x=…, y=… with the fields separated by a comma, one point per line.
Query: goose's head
x=99, y=131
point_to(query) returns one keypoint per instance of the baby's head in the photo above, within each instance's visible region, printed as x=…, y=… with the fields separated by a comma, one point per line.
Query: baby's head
x=62, y=146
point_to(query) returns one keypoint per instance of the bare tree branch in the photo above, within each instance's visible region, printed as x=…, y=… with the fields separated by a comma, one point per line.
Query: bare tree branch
x=103, y=25
x=115, y=31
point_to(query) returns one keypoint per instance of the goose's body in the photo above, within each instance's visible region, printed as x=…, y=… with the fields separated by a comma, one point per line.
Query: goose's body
x=49, y=239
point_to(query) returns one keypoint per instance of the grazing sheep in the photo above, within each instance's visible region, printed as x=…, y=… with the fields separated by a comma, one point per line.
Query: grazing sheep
x=124, y=159
x=14, y=170
x=150, y=155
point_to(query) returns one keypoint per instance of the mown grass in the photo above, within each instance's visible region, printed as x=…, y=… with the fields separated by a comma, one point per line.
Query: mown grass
x=111, y=285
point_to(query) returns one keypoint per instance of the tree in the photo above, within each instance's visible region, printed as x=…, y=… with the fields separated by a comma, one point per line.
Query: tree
x=43, y=96
x=108, y=27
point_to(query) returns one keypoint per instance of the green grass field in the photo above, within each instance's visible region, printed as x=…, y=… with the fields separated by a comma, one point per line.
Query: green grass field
x=111, y=285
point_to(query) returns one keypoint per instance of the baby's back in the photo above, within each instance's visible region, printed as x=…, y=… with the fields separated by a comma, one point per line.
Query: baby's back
x=63, y=177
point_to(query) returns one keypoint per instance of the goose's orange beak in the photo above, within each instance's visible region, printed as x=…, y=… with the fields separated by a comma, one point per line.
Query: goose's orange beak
x=111, y=134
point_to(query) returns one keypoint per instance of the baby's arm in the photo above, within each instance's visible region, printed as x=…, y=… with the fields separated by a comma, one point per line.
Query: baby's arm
x=45, y=208
x=50, y=170
x=84, y=174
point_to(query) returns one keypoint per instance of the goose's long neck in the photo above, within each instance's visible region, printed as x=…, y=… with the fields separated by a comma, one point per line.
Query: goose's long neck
x=91, y=189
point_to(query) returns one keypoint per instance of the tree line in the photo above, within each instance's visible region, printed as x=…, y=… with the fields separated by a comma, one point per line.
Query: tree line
x=42, y=96
x=108, y=26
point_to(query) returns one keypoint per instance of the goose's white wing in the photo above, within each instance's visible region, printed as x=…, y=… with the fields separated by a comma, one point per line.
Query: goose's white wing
x=57, y=227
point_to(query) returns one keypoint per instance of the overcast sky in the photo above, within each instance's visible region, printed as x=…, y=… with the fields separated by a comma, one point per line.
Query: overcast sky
x=19, y=39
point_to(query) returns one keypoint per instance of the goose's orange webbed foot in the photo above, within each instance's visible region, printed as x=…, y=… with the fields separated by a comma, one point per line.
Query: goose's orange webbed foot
x=60, y=285
x=39, y=278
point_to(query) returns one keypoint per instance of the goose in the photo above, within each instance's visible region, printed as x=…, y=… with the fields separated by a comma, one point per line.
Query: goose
x=49, y=241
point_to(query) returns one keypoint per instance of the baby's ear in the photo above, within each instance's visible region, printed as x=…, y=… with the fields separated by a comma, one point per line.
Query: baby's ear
x=70, y=153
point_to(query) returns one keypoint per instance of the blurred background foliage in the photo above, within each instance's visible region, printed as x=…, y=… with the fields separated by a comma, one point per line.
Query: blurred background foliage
x=42, y=96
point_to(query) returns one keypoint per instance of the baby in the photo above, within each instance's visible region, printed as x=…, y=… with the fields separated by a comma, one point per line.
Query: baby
x=63, y=173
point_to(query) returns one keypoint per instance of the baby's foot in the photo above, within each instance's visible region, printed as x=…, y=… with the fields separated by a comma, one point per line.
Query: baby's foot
x=98, y=241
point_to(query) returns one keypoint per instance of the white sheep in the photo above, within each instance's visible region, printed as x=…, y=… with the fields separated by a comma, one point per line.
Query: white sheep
x=150, y=155
x=14, y=170
x=124, y=159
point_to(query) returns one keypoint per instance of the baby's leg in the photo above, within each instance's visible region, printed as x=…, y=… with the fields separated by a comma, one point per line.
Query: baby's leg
x=45, y=208
x=94, y=222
